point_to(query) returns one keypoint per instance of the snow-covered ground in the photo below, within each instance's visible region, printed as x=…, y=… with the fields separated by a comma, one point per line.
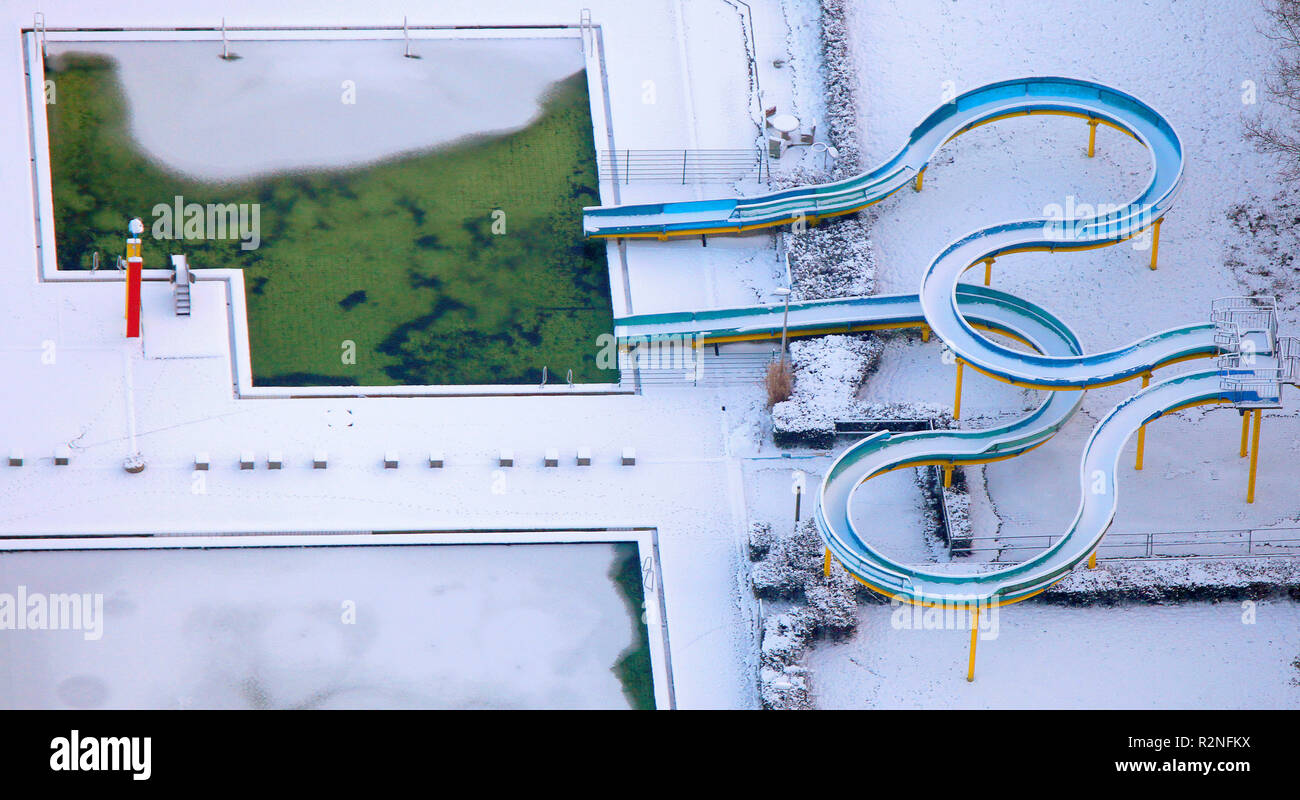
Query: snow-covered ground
x=435, y=626
x=910, y=371
x=1188, y=59
x=893, y=512
x=1194, y=655
x=1192, y=477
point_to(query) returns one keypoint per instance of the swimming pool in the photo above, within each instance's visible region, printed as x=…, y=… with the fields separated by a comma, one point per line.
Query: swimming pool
x=416, y=221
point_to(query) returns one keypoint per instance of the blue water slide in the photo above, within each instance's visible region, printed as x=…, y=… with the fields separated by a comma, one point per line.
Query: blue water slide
x=954, y=311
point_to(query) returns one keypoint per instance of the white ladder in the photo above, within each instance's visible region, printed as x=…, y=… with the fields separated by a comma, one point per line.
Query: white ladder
x=181, y=280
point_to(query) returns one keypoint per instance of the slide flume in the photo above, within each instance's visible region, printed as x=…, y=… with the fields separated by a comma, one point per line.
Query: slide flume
x=956, y=313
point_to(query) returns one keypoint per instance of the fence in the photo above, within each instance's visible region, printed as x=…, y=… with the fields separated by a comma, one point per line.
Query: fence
x=684, y=166
x=1246, y=543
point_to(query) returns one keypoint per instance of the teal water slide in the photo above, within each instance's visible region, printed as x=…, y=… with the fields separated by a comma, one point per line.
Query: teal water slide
x=956, y=312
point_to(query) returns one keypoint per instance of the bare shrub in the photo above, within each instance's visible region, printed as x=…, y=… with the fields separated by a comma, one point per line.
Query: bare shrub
x=779, y=381
x=1283, y=85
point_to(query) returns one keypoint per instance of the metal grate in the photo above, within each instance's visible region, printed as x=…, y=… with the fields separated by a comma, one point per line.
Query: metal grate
x=683, y=166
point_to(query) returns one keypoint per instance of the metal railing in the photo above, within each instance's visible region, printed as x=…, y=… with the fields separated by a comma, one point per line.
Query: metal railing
x=1288, y=359
x=1235, y=318
x=684, y=166
x=1245, y=543
x=862, y=427
x=1257, y=392
x=703, y=367
x=1221, y=308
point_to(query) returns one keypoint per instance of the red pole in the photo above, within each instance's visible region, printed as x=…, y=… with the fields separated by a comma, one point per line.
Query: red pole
x=134, y=274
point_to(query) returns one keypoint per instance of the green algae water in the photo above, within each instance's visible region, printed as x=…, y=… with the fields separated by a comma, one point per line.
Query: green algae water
x=464, y=264
x=633, y=667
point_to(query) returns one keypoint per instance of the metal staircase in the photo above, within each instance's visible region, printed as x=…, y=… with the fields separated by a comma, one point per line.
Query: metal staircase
x=1254, y=361
x=181, y=279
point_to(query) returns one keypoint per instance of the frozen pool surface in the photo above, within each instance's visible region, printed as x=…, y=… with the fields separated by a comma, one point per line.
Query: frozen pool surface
x=284, y=105
x=436, y=626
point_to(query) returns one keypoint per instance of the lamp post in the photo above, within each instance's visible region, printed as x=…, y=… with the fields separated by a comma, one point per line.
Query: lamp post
x=785, y=318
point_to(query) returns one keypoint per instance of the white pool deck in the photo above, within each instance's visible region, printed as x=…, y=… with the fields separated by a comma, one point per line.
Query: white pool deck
x=73, y=380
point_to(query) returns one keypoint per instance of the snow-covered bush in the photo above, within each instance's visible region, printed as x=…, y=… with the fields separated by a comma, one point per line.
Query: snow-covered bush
x=782, y=680
x=828, y=371
x=940, y=415
x=792, y=570
x=1157, y=580
x=785, y=689
x=785, y=637
x=760, y=540
x=841, y=81
x=834, y=604
x=792, y=562
x=834, y=258
x=957, y=503
x=776, y=579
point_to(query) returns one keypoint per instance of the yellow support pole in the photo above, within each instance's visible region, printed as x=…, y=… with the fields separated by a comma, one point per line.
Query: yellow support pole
x=826, y=564
x=956, y=403
x=947, y=476
x=919, y=177
x=1142, y=432
x=974, y=631
x=1245, y=431
x=925, y=336
x=988, y=270
x=1254, y=458
x=1155, y=242
x=1092, y=138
